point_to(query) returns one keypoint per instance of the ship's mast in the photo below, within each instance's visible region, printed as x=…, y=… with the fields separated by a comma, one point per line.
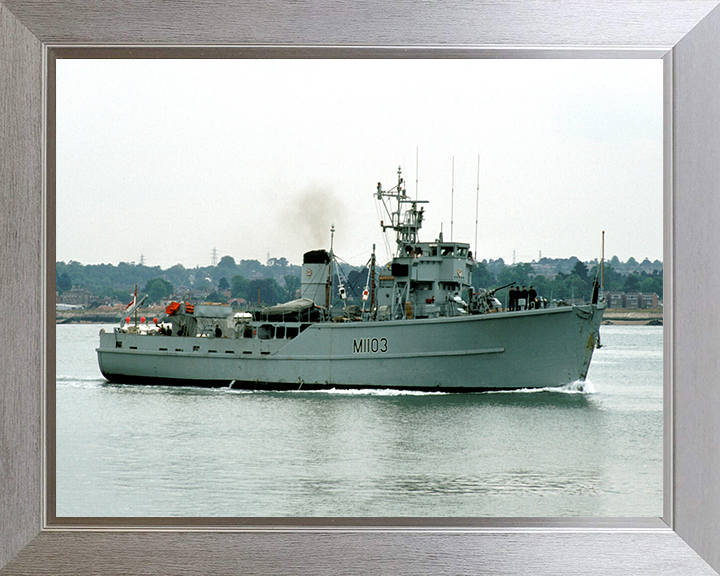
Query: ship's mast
x=372, y=281
x=328, y=286
x=602, y=263
x=452, y=199
x=477, y=205
x=405, y=221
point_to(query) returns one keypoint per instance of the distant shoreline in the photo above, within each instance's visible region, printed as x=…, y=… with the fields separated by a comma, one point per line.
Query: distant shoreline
x=616, y=316
x=633, y=317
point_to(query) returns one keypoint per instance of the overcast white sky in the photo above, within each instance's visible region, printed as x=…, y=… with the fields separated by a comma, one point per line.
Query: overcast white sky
x=171, y=158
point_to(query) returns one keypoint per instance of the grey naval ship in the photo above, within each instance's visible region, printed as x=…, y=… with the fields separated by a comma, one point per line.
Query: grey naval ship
x=421, y=326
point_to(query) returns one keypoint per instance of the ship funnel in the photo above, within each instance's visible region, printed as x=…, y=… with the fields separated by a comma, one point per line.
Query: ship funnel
x=314, y=280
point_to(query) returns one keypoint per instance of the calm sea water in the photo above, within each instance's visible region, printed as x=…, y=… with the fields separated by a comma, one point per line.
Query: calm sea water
x=592, y=450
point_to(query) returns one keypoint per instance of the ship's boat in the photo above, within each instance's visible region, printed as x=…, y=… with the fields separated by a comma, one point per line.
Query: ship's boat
x=419, y=326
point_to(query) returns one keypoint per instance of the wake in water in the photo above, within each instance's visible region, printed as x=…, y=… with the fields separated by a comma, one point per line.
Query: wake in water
x=345, y=392
x=576, y=387
x=79, y=381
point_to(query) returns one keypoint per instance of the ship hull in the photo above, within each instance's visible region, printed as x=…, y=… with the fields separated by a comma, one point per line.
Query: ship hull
x=506, y=350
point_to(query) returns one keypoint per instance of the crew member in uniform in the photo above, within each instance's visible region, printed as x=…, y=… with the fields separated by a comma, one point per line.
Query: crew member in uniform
x=532, y=296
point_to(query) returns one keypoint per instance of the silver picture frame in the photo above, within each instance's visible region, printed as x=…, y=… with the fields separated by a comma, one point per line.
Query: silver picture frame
x=684, y=33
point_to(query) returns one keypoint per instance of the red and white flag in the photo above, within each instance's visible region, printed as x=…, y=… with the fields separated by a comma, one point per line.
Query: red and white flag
x=133, y=300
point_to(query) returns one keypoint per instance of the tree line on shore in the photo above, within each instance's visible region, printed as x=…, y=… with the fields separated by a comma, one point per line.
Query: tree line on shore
x=279, y=281
x=114, y=283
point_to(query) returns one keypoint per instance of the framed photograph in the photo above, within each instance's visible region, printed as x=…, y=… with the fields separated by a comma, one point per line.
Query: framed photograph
x=683, y=541
x=166, y=158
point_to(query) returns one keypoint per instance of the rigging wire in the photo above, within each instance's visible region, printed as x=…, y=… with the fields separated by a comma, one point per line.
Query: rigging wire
x=343, y=276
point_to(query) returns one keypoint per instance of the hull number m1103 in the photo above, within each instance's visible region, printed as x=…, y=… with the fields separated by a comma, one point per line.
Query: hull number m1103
x=369, y=345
